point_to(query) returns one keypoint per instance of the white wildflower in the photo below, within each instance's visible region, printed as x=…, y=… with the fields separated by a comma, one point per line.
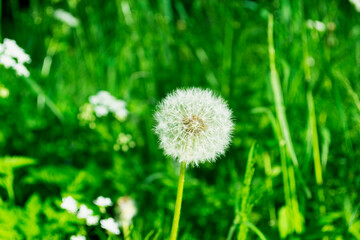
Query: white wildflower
x=101, y=111
x=356, y=4
x=102, y=201
x=13, y=50
x=7, y=61
x=21, y=70
x=13, y=56
x=92, y=220
x=193, y=125
x=125, y=209
x=69, y=204
x=103, y=103
x=78, y=237
x=84, y=212
x=66, y=18
x=110, y=225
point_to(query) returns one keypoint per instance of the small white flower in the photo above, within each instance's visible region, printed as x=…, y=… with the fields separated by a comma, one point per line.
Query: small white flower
x=84, y=212
x=317, y=25
x=21, y=70
x=110, y=225
x=66, y=17
x=7, y=61
x=103, y=103
x=101, y=111
x=78, y=237
x=69, y=204
x=193, y=125
x=13, y=50
x=125, y=209
x=92, y=220
x=103, y=202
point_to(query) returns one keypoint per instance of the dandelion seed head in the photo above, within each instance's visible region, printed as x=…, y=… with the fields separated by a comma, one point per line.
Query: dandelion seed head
x=193, y=125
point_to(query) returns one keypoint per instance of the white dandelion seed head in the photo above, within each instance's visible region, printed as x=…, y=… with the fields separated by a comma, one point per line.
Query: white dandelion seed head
x=110, y=225
x=193, y=125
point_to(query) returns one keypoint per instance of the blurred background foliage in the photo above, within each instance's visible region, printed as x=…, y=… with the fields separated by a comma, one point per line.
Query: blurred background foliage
x=141, y=50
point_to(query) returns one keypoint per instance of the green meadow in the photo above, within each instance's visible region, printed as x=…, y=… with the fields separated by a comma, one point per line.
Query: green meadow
x=289, y=71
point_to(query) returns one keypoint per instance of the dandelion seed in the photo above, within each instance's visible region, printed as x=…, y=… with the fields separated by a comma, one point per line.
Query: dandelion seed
x=110, y=225
x=193, y=125
x=69, y=204
x=103, y=202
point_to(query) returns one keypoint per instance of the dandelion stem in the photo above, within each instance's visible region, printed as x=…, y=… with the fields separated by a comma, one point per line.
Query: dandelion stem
x=125, y=227
x=175, y=225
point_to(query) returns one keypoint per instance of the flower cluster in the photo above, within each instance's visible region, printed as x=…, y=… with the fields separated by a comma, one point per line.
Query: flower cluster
x=193, y=125
x=124, y=142
x=83, y=212
x=104, y=103
x=13, y=56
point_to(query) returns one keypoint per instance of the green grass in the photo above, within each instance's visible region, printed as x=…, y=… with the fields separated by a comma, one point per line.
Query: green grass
x=293, y=90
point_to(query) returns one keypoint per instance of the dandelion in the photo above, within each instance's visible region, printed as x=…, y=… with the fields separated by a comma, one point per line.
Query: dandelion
x=194, y=126
x=78, y=237
x=102, y=202
x=110, y=225
x=13, y=56
x=84, y=212
x=69, y=204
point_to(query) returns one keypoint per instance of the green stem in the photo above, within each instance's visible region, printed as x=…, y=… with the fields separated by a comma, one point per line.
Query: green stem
x=125, y=227
x=175, y=225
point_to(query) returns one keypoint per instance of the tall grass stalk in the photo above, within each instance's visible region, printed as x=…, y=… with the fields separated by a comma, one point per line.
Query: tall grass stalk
x=279, y=104
x=175, y=225
x=246, y=206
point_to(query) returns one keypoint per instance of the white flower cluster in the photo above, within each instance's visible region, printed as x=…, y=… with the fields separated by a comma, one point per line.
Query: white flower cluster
x=13, y=56
x=193, y=125
x=356, y=4
x=110, y=225
x=71, y=205
x=104, y=103
x=317, y=25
